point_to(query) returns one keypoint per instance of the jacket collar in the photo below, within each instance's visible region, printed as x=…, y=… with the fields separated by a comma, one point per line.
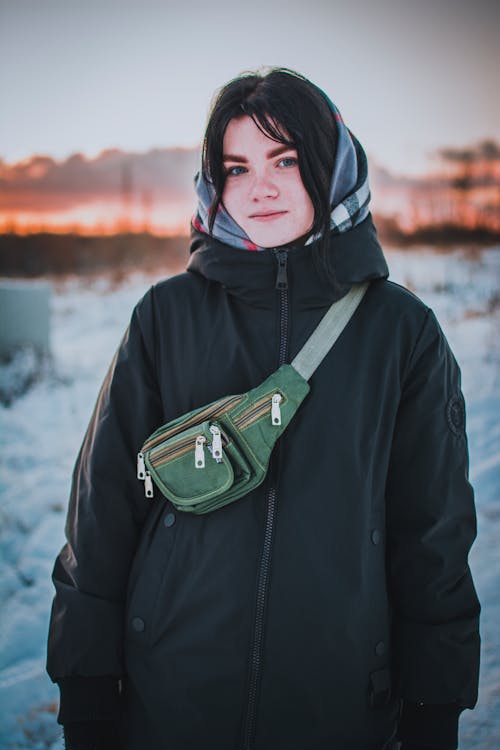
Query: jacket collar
x=252, y=276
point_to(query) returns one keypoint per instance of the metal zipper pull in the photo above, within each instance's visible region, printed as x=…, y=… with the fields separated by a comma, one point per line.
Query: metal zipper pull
x=216, y=443
x=199, y=453
x=275, y=408
x=148, y=485
x=141, y=466
x=281, y=277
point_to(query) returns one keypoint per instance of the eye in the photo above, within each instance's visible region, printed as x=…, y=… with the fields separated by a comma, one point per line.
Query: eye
x=231, y=172
x=288, y=161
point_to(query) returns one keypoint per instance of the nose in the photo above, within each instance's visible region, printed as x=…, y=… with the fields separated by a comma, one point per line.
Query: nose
x=262, y=187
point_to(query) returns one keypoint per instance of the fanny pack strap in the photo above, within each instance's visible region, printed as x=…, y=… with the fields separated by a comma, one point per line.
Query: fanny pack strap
x=328, y=330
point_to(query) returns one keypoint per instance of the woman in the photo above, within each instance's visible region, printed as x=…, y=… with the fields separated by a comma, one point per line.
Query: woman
x=331, y=607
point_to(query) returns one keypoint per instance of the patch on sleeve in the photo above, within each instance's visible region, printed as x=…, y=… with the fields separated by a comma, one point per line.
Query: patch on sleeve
x=455, y=413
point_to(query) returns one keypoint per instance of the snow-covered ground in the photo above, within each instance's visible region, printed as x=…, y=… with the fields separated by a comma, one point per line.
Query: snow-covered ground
x=42, y=430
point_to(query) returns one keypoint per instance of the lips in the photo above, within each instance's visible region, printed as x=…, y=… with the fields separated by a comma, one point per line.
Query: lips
x=267, y=215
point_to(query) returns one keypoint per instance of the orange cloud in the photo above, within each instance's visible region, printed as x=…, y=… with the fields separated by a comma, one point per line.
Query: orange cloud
x=44, y=183
x=153, y=189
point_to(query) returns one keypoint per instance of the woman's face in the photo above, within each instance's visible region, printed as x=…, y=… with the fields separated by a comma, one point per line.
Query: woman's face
x=263, y=191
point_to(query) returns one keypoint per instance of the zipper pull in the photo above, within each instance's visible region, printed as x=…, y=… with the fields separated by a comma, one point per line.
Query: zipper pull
x=199, y=454
x=148, y=485
x=141, y=466
x=275, y=408
x=281, y=277
x=216, y=443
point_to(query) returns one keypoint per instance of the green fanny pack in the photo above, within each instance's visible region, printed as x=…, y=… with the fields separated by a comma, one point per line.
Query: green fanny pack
x=217, y=453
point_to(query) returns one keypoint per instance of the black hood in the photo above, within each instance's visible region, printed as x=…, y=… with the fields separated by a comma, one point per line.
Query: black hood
x=251, y=276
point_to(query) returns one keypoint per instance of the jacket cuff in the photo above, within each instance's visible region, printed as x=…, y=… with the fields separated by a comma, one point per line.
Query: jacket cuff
x=89, y=699
x=429, y=726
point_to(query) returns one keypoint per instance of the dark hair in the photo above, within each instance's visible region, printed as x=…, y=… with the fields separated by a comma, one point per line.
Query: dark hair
x=282, y=103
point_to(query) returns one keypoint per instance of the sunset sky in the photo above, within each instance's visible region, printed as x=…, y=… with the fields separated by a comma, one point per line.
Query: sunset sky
x=409, y=77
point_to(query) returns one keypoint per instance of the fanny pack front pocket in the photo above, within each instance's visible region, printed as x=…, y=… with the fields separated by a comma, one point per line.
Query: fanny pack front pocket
x=193, y=465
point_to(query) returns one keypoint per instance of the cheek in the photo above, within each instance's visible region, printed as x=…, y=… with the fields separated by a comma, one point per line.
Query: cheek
x=230, y=197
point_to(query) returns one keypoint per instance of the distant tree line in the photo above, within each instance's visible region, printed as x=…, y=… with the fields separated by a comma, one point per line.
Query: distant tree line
x=465, y=192
x=35, y=255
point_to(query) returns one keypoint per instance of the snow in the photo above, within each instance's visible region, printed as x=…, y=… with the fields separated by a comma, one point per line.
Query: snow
x=41, y=432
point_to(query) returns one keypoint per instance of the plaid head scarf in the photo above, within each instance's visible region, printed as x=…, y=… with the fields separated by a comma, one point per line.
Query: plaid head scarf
x=349, y=194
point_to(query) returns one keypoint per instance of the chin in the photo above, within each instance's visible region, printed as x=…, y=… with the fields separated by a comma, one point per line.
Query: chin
x=273, y=241
x=270, y=237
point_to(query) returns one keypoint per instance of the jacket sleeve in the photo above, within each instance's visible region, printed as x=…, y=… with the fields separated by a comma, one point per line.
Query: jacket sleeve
x=107, y=509
x=431, y=525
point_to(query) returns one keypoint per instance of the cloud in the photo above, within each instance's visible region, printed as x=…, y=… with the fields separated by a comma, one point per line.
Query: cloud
x=42, y=184
x=155, y=189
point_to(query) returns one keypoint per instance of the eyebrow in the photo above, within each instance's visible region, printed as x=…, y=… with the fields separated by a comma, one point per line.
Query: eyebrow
x=269, y=155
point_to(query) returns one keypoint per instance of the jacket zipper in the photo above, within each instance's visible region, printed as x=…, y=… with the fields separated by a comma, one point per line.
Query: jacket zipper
x=265, y=560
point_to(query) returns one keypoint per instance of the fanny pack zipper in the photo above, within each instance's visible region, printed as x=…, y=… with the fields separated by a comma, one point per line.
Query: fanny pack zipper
x=179, y=449
x=216, y=411
x=245, y=419
x=268, y=403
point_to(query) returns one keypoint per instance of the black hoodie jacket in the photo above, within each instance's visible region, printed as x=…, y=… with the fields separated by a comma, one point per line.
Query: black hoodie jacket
x=302, y=615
